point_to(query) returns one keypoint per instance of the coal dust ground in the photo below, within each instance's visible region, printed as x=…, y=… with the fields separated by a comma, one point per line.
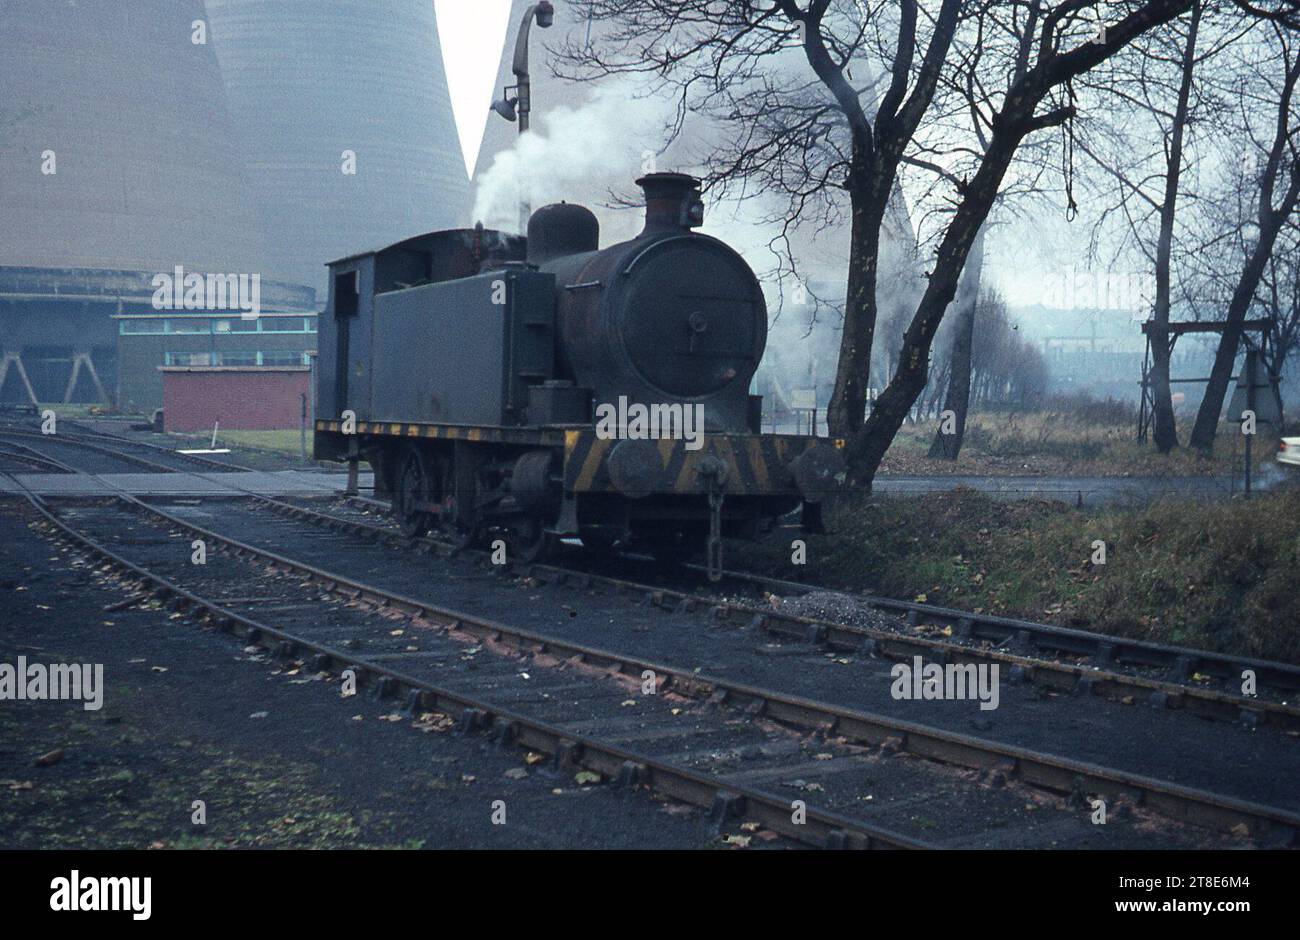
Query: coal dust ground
x=278, y=760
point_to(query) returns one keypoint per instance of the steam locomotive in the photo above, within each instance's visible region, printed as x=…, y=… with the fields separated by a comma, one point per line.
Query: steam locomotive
x=544, y=388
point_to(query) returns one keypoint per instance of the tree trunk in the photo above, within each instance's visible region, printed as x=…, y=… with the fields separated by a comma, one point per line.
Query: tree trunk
x=848, y=405
x=866, y=450
x=1165, y=432
x=948, y=446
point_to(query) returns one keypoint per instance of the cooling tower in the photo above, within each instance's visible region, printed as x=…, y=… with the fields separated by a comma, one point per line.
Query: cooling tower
x=131, y=117
x=118, y=162
x=310, y=84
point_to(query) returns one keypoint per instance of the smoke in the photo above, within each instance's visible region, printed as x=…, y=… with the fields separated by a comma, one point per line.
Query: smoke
x=591, y=150
x=578, y=153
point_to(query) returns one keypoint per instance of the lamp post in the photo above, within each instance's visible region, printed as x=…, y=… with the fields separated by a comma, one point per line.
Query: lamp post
x=519, y=107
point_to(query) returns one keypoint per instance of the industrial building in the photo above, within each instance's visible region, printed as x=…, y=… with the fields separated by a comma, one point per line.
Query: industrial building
x=150, y=342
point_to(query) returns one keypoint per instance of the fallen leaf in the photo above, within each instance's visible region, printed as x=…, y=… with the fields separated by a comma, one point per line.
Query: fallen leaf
x=586, y=776
x=259, y=714
x=50, y=758
x=516, y=773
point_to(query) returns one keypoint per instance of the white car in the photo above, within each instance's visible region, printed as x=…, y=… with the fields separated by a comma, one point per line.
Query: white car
x=1288, y=451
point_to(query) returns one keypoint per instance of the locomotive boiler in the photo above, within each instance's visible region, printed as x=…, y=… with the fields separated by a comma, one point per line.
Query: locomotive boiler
x=545, y=388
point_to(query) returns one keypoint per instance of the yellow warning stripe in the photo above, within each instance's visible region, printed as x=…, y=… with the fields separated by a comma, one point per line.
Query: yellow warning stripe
x=592, y=463
x=758, y=460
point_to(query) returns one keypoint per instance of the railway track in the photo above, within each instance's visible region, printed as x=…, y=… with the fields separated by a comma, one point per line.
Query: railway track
x=1053, y=658
x=22, y=460
x=569, y=748
x=846, y=740
x=99, y=444
x=1056, y=658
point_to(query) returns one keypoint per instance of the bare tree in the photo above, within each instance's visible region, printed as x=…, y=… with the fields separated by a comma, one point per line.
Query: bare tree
x=1153, y=103
x=813, y=135
x=1267, y=95
x=1063, y=47
x=1279, y=295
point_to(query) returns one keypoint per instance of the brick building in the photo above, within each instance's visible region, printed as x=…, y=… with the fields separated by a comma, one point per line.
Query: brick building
x=241, y=398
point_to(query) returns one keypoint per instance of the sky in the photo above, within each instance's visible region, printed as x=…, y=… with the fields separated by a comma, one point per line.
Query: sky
x=472, y=34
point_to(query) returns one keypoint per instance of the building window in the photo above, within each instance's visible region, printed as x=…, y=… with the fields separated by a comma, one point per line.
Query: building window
x=187, y=359
x=141, y=327
x=188, y=325
x=288, y=324
x=236, y=358
x=283, y=357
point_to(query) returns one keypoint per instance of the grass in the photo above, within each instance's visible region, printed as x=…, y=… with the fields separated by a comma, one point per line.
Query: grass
x=280, y=442
x=1070, y=440
x=1219, y=576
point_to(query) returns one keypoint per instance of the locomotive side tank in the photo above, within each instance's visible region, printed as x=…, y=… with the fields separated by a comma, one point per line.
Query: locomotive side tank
x=489, y=384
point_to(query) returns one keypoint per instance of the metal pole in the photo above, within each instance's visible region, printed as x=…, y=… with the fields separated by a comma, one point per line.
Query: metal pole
x=302, y=428
x=524, y=103
x=1251, y=363
x=544, y=14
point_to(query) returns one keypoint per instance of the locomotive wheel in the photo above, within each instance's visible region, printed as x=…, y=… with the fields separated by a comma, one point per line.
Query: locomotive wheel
x=413, y=486
x=528, y=540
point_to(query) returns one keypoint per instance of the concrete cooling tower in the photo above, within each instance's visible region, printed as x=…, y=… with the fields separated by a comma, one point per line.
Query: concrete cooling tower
x=116, y=150
x=313, y=87
x=118, y=161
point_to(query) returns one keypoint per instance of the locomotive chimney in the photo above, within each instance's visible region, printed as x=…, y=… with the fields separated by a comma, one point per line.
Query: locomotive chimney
x=672, y=201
